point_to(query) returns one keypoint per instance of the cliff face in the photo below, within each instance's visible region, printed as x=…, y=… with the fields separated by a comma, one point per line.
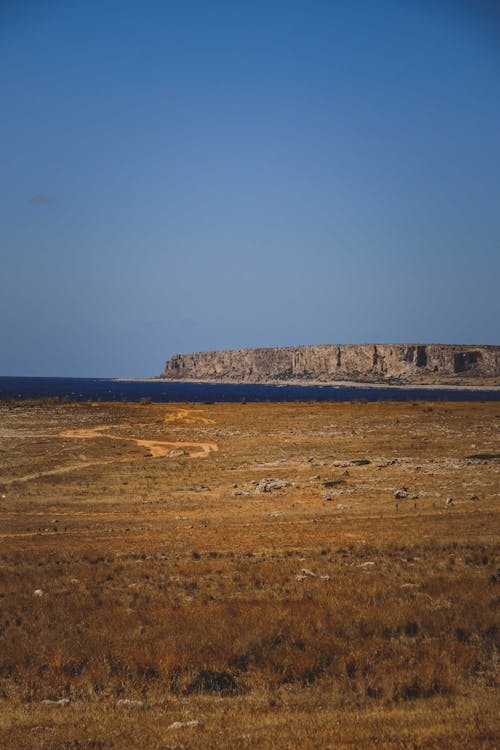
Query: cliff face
x=398, y=363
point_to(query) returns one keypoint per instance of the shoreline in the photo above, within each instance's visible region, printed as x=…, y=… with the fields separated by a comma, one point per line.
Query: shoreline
x=323, y=384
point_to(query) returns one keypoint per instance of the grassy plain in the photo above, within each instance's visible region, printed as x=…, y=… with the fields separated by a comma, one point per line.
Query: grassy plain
x=144, y=579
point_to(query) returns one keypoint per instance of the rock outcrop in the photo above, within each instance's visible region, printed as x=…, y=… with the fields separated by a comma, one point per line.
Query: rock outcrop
x=365, y=363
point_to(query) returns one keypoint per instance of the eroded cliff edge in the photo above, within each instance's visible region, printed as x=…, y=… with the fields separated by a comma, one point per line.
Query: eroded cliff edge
x=430, y=364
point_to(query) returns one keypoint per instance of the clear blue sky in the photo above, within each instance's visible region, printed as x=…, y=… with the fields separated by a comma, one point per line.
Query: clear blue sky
x=190, y=175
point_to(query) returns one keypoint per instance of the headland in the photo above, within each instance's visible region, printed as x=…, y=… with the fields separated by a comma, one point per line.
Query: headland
x=343, y=364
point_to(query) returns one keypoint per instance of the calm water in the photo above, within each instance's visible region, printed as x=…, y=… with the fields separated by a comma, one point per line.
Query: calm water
x=100, y=389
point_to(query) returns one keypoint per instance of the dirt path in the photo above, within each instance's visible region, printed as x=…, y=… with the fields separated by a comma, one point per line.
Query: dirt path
x=186, y=416
x=60, y=470
x=156, y=448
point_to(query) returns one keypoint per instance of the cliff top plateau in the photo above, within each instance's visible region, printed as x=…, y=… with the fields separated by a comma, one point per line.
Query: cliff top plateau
x=391, y=364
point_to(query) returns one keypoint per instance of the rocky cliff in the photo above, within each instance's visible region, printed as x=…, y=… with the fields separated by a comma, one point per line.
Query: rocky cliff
x=329, y=363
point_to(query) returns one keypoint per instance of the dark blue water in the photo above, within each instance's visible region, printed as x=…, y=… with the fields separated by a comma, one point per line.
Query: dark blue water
x=100, y=389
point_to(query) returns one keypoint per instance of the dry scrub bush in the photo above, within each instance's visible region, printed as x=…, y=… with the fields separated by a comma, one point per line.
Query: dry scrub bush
x=120, y=630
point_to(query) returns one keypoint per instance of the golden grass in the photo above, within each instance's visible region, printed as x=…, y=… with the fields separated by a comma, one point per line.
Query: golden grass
x=324, y=614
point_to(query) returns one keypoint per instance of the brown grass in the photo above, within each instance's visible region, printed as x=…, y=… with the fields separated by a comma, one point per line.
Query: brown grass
x=325, y=614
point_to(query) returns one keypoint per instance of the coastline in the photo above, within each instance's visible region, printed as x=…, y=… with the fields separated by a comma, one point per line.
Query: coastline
x=323, y=384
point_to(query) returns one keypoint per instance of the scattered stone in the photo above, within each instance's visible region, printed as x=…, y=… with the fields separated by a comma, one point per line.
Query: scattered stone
x=401, y=494
x=474, y=497
x=177, y=453
x=449, y=501
x=315, y=478
x=129, y=702
x=59, y=702
x=342, y=506
x=333, y=494
x=238, y=493
x=275, y=514
x=38, y=592
x=307, y=572
x=268, y=484
x=183, y=725
x=365, y=564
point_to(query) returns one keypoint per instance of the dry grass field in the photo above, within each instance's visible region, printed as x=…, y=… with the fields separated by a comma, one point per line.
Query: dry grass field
x=156, y=593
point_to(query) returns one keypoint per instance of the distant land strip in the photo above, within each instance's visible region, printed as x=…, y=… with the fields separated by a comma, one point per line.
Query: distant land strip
x=389, y=364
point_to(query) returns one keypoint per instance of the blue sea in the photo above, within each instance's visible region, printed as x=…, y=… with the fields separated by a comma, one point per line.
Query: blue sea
x=106, y=389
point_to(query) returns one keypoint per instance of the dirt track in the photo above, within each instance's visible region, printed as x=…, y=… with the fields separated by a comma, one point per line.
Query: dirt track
x=155, y=448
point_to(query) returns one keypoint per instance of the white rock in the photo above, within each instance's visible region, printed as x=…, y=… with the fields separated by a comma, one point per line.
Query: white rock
x=307, y=572
x=184, y=724
x=266, y=485
x=60, y=702
x=38, y=592
x=401, y=494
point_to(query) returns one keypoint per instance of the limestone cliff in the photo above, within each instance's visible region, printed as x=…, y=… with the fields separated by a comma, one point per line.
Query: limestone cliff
x=329, y=363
